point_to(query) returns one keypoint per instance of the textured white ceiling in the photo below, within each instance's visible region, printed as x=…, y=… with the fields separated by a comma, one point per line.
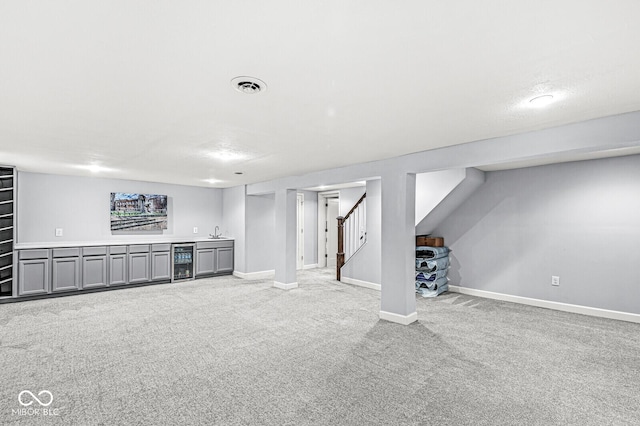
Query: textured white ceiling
x=143, y=88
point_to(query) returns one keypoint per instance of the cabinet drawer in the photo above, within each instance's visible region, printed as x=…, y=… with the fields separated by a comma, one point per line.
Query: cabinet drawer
x=213, y=244
x=141, y=248
x=161, y=247
x=118, y=250
x=34, y=254
x=94, y=251
x=66, y=252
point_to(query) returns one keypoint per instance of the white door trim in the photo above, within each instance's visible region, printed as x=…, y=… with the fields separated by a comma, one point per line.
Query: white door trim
x=300, y=231
x=322, y=225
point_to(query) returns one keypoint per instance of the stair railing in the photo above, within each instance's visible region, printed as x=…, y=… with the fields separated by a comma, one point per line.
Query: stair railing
x=352, y=232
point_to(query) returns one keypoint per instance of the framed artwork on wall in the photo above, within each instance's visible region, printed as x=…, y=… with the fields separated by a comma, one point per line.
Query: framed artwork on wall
x=138, y=212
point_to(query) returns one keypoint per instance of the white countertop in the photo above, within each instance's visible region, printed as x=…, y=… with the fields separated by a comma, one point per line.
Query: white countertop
x=114, y=242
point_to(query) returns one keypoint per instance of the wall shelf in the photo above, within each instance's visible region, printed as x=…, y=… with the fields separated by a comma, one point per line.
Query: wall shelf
x=7, y=230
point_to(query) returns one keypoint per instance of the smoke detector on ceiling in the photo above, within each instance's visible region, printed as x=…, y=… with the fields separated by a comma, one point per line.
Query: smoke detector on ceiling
x=248, y=85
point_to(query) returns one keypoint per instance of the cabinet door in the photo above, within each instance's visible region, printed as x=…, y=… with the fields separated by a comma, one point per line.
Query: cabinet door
x=139, y=267
x=160, y=265
x=65, y=274
x=94, y=271
x=117, y=269
x=224, y=259
x=205, y=261
x=33, y=276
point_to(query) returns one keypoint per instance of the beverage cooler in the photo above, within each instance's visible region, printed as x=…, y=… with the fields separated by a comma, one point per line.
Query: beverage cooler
x=183, y=267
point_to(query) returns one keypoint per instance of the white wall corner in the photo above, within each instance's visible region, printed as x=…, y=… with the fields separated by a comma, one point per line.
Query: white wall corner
x=284, y=286
x=399, y=319
x=360, y=283
x=558, y=306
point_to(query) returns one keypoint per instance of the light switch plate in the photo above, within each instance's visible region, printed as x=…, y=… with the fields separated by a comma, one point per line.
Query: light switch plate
x=58, y=232
x=195, y=229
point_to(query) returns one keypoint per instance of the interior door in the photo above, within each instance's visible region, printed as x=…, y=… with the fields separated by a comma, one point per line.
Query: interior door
x=332, y=231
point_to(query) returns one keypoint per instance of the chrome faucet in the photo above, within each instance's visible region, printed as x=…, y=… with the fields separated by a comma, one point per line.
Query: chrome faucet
x=215, y=234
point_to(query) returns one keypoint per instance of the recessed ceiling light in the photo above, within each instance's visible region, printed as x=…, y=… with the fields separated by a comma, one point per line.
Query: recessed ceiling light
x=226, y=155
x=239, y=173
x=95, y=168
x=541, y=101
x=248, y=85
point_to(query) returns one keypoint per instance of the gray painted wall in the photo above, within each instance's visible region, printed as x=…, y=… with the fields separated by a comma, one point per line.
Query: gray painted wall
x=261, y=233
x=432, y=188
x=233, y=225
x=80, y=206
x=579, y=221
x=310, y=227
x=472, y=180
x=365, y=264
x=349, y=197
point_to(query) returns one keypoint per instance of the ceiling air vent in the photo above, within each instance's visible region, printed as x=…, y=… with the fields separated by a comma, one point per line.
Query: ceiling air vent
x=248, y=85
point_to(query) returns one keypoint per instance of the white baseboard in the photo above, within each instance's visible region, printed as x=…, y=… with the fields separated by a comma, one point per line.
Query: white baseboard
x=558, y=306
x=260, y=275
x=284, y=286
x=400, y=319
x=359, y=283
x=312, y=266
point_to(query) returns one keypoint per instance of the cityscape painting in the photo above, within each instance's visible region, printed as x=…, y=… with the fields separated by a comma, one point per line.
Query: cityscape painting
x=138, y=212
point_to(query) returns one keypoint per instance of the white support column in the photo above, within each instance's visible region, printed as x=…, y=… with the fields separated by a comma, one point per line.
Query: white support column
x=398, y=299
x=285, y=256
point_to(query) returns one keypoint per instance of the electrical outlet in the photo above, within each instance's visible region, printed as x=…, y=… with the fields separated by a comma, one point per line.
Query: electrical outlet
x=195, y=229
x=58, y=232
x=555, y=280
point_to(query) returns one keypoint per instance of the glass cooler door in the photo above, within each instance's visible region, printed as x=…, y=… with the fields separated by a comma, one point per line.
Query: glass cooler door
x=183, y=268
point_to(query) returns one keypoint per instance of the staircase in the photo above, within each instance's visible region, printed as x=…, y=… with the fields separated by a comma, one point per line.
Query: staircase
x=352, y=232
x=438, y=194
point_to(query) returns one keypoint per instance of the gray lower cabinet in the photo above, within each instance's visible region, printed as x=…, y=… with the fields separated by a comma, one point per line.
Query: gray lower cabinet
x=205, y=261
x=65, y=274
x=44, y=271
x=214, y=257
x=160, y=265
x=139, y=264
x=94, y=267
x=33, y=276
x=117, y=269
x=224, y=259
x=94, y=271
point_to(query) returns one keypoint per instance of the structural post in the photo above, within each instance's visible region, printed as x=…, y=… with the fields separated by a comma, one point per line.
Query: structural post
x=397, y=299
x=286, y=204
x=340, y=254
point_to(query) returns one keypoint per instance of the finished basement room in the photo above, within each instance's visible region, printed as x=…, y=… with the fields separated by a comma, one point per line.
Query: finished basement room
x=319, y=214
